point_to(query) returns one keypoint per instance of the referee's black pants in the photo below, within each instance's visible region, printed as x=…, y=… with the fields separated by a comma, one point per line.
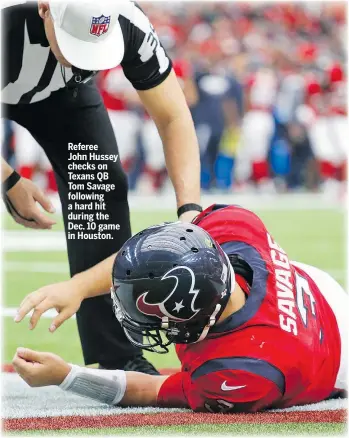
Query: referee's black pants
x=53, y=122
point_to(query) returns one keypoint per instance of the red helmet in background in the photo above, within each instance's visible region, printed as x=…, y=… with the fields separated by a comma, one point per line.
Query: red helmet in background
x=335, y=73
x=182, y=68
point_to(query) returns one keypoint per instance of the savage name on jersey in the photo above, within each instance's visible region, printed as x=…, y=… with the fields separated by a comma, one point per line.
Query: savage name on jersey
x=282, y=348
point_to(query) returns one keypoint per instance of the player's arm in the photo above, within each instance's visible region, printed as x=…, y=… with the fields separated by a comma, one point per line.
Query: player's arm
x=67, y=296
x=114, y=387
x=253, y=386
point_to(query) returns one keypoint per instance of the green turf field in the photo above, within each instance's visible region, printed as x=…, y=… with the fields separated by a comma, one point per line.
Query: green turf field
x=314, y=237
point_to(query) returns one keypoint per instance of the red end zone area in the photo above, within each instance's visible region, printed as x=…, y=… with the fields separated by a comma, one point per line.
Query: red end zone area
x=169, y=419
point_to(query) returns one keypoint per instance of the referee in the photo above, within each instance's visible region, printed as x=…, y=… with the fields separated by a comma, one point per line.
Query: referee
x=51, y=51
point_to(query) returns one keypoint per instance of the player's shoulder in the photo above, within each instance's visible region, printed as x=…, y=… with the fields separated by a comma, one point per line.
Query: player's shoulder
x=228, y=211
x=231, y=220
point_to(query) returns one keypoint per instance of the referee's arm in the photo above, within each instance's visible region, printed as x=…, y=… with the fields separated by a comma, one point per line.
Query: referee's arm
x=6, y=170
x=167, y=106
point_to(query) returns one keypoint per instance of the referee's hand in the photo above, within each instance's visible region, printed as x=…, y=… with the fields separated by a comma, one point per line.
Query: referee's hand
x=65, y=297
x=24, y=209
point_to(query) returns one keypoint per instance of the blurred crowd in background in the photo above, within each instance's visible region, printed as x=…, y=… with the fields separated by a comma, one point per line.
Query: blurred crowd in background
x=266, y=85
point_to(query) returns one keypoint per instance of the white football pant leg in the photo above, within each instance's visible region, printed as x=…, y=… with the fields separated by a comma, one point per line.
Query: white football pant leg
x=126, y=125
x=257, y=131
x=153, y=148
x=339, y=125
x=27, y=149
x=44, y=162
x=322, y=138
x=203, y=133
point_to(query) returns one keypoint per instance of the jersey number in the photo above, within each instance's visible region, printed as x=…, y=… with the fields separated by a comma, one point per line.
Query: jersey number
x=303, y=288
x=218, y=406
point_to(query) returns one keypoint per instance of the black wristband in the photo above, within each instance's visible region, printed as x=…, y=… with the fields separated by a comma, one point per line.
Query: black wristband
x=10, y=182
x=188, y=207
x=7, y=185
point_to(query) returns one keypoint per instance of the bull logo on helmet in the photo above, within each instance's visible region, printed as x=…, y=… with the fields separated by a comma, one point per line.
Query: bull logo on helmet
x=169, y=306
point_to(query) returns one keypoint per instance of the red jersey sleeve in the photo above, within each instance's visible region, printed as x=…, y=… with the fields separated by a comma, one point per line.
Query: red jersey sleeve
x=171, y=392
x=232, y=391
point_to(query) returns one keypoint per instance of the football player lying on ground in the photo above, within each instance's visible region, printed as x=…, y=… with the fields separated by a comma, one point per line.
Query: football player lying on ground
x=252, y=329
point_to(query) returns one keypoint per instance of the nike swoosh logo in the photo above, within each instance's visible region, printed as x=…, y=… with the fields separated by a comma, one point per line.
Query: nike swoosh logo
x=225, y=387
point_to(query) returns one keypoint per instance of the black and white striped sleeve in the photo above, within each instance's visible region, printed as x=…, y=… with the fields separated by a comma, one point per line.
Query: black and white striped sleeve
x=145, y=63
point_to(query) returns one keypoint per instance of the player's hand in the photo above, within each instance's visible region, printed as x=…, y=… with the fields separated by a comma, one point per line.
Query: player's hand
x=40, y=369
x=24, y=197
x=188, y=216
x=65, y=297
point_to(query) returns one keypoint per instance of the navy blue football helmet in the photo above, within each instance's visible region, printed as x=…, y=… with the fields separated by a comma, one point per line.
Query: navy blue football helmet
x=171, y=279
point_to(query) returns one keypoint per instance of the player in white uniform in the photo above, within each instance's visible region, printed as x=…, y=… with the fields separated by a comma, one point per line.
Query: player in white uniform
x=119, y=98
x=31, y=159
x=258, y=125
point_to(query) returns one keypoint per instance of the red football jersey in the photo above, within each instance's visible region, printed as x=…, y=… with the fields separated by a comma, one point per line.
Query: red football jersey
x=282, y=348
x=315, y=97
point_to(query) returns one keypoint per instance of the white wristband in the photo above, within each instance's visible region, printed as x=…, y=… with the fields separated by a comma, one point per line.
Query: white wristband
x=105, y=386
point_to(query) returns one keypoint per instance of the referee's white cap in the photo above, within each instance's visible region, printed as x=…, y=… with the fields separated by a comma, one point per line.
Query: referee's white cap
x=88, y=33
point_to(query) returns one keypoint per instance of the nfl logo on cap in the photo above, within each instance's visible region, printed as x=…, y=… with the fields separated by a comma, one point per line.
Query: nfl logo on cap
x=99, y=25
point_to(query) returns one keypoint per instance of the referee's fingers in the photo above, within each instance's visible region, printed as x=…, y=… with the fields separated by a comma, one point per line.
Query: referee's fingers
x=43, y=200
x=27, y=224
x=38, y=311
x=28, y=304
x=41, y=219
x=38, y=220
x=22, y=221
x=59, y=319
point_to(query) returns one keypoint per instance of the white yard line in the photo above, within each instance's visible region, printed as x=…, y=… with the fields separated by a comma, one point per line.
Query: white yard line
x=38, y=267
x=260, y=201
x=33, y=241
x=62, y=268
x=53, y=267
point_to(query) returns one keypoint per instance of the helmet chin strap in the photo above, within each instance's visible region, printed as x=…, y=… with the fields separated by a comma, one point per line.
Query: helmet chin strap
x=211, y=323
x=212, y=320
x=232, y=274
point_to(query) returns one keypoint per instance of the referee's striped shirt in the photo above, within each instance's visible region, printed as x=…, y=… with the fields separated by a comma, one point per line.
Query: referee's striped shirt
x=31, y=72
